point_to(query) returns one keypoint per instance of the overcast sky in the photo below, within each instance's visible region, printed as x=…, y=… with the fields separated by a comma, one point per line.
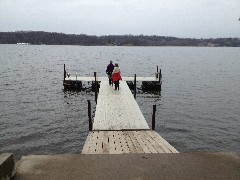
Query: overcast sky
x=178, y=18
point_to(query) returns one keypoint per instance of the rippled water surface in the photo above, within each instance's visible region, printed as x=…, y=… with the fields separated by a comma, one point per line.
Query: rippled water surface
x=197, y=110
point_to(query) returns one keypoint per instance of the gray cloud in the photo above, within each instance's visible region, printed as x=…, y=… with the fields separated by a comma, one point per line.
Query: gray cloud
x=185, y=18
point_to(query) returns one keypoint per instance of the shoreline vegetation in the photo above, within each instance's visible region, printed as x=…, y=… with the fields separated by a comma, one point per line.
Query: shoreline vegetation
x=53, y=38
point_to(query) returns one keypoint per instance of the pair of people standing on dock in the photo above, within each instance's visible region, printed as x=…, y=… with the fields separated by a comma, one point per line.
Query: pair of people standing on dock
x=114, y=74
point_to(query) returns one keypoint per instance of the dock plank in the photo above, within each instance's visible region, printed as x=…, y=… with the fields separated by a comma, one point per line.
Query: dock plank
x=111, y=142
x=148, y=143
x=90, y=144
x=105, y=143
x=153, y=143
x=124, y=143
x=99, y=142
x=118, y=143
x=167, y=148
x=130, y=143
x=141, y=142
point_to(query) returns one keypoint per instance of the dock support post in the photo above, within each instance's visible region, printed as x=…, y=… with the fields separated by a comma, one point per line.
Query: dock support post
x=76, y=80
x=135, y=85
x=153, y=117
x=160, y=74
x=64, y=73
x=157, y=73
x=89, y=115
x=96, y=86
x=160, y=80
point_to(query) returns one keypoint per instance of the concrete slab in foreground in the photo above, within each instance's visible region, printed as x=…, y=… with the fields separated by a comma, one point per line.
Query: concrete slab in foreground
x=130, y=166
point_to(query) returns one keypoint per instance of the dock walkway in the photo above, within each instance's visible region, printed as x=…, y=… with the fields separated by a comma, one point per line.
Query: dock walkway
x=117, y=109
x=119, y=126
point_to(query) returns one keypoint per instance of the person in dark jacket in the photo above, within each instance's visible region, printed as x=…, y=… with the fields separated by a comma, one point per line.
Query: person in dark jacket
x=109, y=71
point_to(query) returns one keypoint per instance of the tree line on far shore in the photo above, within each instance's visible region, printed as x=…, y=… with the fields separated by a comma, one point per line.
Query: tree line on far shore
x=53, y=38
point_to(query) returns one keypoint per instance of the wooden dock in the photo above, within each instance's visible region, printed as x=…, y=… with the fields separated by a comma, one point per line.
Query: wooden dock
x=119, y=126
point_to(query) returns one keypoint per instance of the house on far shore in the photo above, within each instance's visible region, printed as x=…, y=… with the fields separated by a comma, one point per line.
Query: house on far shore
x=213, y=45
x=23, y=43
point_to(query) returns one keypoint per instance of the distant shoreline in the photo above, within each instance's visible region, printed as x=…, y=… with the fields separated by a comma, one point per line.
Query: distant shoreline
x=27, y=44
x=53, y=38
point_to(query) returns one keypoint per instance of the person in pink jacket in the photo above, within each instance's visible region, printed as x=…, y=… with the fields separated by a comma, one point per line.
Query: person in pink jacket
x=116, y=76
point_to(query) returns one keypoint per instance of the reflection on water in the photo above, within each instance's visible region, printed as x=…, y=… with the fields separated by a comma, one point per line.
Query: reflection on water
x=197, y=109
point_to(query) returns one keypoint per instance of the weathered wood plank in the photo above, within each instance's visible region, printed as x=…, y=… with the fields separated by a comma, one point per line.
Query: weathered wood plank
x=129, y=142
x=90, y=144
x=124, y=143
x=148, y=143
x=118, y=143
x=135, y=142
x=111, y=143
x=159, y=144
x=105, y=148
x=99, y=142
x=167, y=148
x=141, y=142
x=155, y=145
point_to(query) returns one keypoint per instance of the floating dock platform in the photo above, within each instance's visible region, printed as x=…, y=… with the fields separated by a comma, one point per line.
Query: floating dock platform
x=148, y=83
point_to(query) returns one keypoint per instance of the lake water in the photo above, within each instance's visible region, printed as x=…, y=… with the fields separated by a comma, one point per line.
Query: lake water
x=198, y=108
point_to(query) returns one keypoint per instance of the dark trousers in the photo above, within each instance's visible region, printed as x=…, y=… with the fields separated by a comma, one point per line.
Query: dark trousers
x=116, y=85
x=110, y=81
